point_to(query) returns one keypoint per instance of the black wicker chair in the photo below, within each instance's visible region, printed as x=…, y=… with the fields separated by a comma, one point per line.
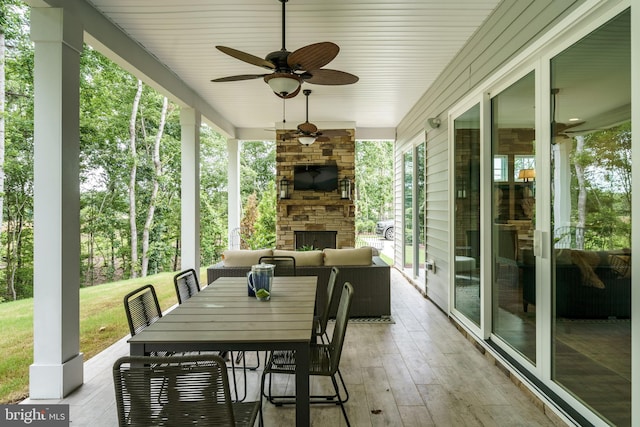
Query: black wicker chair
x=178, y=391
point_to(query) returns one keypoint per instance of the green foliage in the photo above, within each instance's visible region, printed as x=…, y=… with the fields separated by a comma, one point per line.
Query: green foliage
x=106, y=96
x=265, y=228
x=606, y=161
x=365, y=226
x=374, y=181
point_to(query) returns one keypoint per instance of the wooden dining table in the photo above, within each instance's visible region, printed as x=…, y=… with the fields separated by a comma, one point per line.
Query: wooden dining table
x=223, y=317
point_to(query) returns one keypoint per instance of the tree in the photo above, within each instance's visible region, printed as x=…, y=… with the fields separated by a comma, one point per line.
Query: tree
x=156, y=185
x=248, y=221
x=374, y=182
x=133, y=152
x=265, y=227
x=16, y=141
x=602, y=164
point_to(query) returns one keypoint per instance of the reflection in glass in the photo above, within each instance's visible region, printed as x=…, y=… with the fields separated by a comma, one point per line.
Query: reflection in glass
x=408, y=212
x=467, y=213
x=591, y=219
x=421, y=194
x=513, y=148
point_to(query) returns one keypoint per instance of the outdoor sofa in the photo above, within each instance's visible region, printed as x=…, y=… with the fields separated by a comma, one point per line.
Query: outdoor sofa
x=369, y=274
x=589, y=284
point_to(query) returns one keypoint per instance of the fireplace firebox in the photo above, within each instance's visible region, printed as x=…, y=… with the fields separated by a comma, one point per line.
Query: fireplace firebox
x=316, y=239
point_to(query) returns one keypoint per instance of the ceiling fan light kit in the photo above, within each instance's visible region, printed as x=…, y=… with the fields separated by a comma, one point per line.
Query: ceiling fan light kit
x=283, y=83
x=306, y=140
x=291, y=69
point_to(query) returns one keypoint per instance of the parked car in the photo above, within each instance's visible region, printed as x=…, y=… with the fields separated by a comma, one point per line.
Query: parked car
x=385, y=229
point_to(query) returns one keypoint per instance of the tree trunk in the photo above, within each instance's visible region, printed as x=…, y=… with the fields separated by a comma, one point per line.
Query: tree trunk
x=582, y=195
x=2, y=102
x=154, y=192
x=132, y=182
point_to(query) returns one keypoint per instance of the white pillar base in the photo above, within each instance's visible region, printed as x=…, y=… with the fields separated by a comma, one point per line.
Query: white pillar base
x=55, y=381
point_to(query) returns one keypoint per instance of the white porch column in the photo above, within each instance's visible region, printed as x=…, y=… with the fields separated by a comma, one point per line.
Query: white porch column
x=233, y=188
x=57, y=361
x=562, y=184
x=190, y=189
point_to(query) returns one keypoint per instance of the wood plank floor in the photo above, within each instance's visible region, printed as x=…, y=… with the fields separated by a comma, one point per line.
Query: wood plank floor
x=419, y=371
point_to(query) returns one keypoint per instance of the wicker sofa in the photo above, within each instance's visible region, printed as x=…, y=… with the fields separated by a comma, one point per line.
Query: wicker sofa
x=371, y=282
x=590, y=284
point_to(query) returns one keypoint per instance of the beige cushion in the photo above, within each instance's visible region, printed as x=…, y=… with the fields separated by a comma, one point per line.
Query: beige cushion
x=243, y=258
x=358, y=256
x=303, y=258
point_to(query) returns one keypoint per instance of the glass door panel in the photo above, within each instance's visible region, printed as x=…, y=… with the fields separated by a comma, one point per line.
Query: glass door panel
x=408, y=213
x=466, y=297
x=591, y=219
x=513, y=154
x=421, y=217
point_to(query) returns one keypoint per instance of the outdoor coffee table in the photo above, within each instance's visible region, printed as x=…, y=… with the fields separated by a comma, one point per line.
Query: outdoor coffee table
x=223, y=317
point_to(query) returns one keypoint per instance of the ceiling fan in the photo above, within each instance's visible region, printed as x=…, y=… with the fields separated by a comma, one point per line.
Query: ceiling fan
x=307, y=133
x=291, y=69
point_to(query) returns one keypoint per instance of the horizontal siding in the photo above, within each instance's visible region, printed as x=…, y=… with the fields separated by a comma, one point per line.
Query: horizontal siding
x=513, y=26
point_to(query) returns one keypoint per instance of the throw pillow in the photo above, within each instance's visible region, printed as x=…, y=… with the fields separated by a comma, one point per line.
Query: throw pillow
x=621, y=265
x=244, y=257
x=303, y=258
x=585, y=261
x=358, y=256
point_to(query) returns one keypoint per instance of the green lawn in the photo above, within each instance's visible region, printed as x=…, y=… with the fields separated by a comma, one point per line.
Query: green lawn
x=102, y=322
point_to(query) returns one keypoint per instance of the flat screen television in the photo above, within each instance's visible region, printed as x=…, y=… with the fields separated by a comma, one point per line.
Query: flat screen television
x=315, y=177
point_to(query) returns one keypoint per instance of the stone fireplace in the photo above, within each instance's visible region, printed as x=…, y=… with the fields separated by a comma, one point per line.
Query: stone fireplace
x=313, y=210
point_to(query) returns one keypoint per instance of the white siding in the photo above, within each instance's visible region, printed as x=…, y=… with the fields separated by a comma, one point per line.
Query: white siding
x=511, y=28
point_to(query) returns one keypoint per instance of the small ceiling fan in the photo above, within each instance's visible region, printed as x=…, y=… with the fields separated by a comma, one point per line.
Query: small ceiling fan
x=291, y=69
x=307, y=133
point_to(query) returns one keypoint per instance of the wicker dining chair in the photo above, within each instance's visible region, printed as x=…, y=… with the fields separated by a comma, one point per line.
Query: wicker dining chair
x=285, y=265
x=187, y=284
x=142, y=308
x=178, y=391
x=324, y=361
x=320, y=322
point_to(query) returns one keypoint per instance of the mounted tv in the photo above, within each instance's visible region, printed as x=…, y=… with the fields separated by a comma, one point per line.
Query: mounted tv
x=315, y=177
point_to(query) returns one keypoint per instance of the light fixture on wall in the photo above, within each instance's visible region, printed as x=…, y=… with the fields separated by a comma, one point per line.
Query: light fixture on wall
x=306, y=140
x=434, y=122
x=345, y=188
x=284, y=188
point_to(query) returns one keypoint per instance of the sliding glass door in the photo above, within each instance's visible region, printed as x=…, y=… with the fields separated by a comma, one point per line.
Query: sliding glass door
x=466, y=189
x=591, y=220
x=513, y=145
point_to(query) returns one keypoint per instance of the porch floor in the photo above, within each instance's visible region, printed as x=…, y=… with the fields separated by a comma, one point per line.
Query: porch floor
x=418, y=371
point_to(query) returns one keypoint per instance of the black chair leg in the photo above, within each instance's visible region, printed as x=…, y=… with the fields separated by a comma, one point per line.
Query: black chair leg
x=340, y=401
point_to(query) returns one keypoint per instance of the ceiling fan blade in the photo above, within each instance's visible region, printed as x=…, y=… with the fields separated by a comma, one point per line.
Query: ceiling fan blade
x=247, y=57
x=334, y=132
x=239, y=77
x=323, y=139
x=325, y=76
x=313, y=56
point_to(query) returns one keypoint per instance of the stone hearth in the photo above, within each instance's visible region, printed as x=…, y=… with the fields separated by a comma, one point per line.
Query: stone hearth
x=316, y=210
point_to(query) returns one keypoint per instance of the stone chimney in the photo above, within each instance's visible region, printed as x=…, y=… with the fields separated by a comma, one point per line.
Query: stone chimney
x=311, y=210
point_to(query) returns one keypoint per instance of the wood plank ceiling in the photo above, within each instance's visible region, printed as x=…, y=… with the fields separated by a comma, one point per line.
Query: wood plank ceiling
x=396, y=48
